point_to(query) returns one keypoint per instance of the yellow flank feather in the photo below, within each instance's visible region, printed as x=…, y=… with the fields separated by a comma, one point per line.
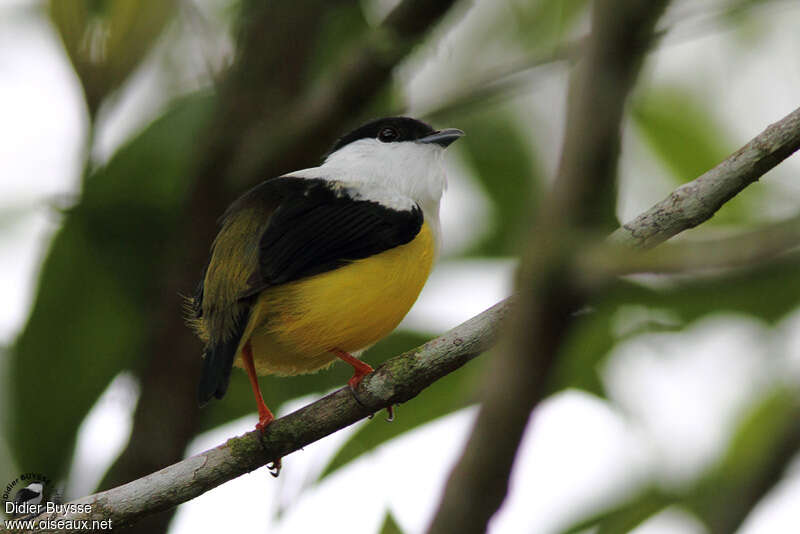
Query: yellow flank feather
x=293, y=326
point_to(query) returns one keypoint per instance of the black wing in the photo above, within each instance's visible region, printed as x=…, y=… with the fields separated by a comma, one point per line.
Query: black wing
x=320, y=227
x=24, y=495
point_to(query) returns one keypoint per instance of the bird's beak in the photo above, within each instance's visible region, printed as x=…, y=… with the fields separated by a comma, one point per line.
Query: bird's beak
x=442, y=138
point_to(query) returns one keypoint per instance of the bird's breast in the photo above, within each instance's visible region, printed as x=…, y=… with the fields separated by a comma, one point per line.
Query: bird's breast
x=295, y=325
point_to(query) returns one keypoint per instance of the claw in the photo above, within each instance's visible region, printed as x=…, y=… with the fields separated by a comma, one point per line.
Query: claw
x=275, y=467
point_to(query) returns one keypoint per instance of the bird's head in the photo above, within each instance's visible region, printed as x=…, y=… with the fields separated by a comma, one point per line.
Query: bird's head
x=399, y=153
x=37, y=487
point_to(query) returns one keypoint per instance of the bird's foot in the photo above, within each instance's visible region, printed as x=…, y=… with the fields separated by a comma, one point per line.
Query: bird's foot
x=360, y=370
x=265, y=417
x=275, y=467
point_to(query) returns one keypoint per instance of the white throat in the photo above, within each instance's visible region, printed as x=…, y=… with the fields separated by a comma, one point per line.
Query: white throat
x=410, y=169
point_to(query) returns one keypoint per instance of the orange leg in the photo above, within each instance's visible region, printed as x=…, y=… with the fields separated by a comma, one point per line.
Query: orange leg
x=265, y=416
x=360, y=368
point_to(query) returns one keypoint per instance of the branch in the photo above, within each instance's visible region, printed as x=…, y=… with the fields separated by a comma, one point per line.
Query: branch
x=698, y=200
x=599, y=264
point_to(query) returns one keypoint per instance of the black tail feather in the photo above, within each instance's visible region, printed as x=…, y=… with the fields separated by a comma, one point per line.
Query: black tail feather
x=217, y=366
x=218, y=362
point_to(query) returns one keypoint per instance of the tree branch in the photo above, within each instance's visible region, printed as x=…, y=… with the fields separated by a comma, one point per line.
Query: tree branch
x=598, y=264
x=698, y=200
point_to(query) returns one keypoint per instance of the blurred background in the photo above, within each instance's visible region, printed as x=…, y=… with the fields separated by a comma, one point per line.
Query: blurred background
x=128, y=126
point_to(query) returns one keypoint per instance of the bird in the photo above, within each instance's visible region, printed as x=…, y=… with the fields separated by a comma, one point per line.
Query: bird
x=28, y=497
x=319, y=264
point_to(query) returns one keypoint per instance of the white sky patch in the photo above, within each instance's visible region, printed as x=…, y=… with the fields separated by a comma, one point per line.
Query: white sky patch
x=458, y=290
x=779, y=508
x=577, y=456
x=43, y=121
x=103, y=435
x=260, y=494
x=406, y=474
x=687, y=390
x=671, y=521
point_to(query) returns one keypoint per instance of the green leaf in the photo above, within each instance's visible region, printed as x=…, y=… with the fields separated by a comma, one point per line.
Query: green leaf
x=760, y=438
x=681, y=131
x=93, y=307
x=451, y=393
x=589, y=341
x=390, y=525
x=504, y=163
x=591, y=337
x=106, y=39
x=545, y=22
x=624, y=517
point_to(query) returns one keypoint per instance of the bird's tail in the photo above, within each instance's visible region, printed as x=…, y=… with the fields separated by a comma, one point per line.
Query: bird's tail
x=218, y=360
x=217, y=365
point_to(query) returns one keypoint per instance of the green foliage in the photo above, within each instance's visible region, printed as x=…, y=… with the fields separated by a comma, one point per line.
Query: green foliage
x=91, y=314
x=591, y=338
x=765, y=434
x=624, y=517
x=390, y=525
x=680, y=131
x=546, y=22
x=503, y=161
x=589, y=341
x=689, y=140
x=107, y=39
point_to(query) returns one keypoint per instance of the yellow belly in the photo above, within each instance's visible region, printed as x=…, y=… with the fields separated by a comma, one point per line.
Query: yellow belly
x=294, y=326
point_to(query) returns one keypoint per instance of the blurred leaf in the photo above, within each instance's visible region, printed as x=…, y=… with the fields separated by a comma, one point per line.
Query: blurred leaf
x=591, y=338
x=762, y=437
x=589, y=341
x=94, y=302
x=745, y=22
x=681, y=131
x=451, y=393
x=390, y=525
x=688, y=139
x=106, y=39
x=503, y=160
x=341, y=30
x=544, y=23
x=624, y=517
x=277, y=390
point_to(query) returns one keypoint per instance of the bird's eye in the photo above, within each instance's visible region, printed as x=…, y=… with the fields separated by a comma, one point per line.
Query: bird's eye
x=387, y=134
